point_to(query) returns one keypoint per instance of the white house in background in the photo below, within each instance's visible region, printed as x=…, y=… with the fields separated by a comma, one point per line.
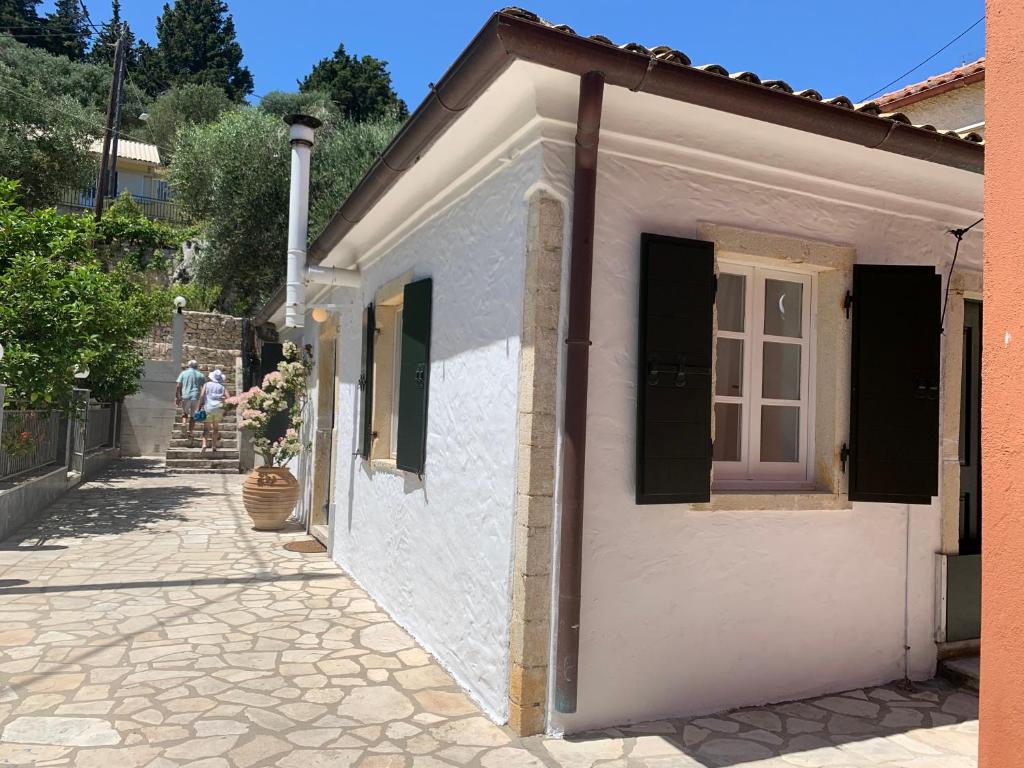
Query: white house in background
x=641, y=406
x=139, y=173
x=955, y=98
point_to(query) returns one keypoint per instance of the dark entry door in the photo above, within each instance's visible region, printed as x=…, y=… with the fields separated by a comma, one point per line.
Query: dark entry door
x=970, y=433
x=963, y=571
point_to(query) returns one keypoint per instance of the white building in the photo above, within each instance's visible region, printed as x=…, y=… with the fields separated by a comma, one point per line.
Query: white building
x=138, y=172
x=516, y=405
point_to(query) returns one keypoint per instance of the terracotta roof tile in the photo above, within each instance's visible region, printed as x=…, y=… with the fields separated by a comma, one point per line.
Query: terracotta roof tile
x=670, y=55
x=975, y=70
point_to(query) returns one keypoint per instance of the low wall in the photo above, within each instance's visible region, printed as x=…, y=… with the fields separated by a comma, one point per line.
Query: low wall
x=21, y=503
x=97, y=461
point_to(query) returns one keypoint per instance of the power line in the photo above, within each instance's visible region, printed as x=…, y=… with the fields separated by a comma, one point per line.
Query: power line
x=88, y=19
x=98, y=124
x=19, y=35
x=911, y=71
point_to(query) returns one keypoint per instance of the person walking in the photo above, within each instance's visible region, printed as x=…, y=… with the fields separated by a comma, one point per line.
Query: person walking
x=211, y=397
x=186, y=397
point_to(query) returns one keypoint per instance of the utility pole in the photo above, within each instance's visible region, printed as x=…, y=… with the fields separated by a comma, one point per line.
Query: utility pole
x=113, y=113
x=117, y=112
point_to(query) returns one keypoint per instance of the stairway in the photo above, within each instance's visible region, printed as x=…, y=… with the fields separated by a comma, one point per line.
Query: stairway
x=182, y=459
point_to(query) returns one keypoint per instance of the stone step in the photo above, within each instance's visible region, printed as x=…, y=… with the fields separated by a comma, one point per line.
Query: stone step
x=194, y=453
x=965, y=671
x=205, y=463
x=203, y=471
x=228, y=441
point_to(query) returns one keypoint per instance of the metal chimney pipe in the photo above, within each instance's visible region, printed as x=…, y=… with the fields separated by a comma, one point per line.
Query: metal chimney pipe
x=300, y=136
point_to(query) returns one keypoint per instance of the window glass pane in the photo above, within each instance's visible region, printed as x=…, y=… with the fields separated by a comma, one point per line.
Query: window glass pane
x=730, y=301
x=783, y=308
x=780, y=372
x=780, y=433
x=727, y=431
x=729, y=367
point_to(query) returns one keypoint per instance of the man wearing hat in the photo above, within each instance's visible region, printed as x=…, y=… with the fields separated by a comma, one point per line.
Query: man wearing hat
x=186, y=396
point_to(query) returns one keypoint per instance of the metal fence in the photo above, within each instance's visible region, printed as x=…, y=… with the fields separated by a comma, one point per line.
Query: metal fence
x=99, y=427
x=31, y=440
x=84, y=200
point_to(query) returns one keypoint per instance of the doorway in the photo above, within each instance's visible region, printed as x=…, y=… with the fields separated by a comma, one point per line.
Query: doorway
x=963, y=575
x=323, y=440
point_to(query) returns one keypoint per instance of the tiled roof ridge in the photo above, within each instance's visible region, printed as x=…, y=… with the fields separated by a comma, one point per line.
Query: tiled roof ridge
x=957, y=73
x=670, y=55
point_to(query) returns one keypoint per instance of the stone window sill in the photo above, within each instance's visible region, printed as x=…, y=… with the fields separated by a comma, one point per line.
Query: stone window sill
x=388, y=466
x=780, y=501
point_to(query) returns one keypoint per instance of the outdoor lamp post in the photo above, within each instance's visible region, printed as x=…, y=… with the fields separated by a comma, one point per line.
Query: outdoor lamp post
x=178, y=338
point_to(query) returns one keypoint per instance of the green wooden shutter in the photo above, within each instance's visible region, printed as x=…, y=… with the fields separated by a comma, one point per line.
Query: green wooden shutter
x=414, y=377
x=677, y=296
x=894, y=395
x=366, y=382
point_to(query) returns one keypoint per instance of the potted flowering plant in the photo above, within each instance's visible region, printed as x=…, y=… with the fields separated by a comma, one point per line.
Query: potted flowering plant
x=271, y=491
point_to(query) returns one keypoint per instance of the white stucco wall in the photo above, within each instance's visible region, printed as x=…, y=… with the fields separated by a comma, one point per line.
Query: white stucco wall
x=437, y=552
x=689, y=612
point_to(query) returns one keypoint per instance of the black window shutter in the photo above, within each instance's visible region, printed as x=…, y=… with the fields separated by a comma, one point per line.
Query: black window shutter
x=894, y=398
x=414, y=377
x=677, y=296
x=366, y=382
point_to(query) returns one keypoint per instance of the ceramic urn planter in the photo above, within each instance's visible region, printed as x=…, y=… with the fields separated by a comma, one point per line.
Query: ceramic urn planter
x=269, y=495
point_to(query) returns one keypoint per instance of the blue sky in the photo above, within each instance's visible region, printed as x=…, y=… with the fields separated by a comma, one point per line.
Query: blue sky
x=851, y=48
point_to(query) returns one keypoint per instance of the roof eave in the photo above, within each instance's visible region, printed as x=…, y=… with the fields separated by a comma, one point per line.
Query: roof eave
x=505, y=38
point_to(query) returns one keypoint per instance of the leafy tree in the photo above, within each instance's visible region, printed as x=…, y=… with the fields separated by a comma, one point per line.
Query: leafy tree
x=44, y=133
x=360, y=87
x=148, y=69
x=197, y=45
x=316, y=103
x=192, y=104
x=63, y=308
x=234, y=174
x=20, y=19
x=69, y=29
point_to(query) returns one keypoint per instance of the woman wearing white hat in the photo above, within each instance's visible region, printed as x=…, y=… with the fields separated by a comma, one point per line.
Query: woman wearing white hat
x=211, y=400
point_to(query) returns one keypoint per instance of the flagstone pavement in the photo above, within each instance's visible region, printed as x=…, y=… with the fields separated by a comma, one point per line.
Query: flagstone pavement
x=143, y=623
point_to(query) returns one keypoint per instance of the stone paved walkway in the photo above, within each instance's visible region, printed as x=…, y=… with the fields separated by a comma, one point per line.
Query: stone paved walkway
x=142, y=623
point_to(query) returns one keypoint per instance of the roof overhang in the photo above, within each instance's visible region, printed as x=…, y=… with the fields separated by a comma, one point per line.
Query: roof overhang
x=512, y=35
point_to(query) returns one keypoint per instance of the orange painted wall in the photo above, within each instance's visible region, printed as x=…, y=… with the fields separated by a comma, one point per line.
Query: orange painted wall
x=1002, y=413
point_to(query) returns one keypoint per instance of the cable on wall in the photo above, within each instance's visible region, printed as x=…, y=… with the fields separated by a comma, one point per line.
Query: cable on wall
x=959, y=235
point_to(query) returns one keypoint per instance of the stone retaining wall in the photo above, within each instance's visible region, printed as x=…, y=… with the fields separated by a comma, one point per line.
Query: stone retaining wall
x=203, y=329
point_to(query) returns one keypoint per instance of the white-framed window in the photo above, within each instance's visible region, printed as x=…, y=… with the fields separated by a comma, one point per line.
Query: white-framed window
x=763, y=409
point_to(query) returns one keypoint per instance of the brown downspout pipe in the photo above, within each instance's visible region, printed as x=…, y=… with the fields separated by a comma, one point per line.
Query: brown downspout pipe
x=577, y=362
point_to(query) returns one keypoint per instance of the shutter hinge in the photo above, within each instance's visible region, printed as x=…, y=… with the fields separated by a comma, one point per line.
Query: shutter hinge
x=844, y=456
x=714, y=286
x=847, y=303
x=361, y=384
